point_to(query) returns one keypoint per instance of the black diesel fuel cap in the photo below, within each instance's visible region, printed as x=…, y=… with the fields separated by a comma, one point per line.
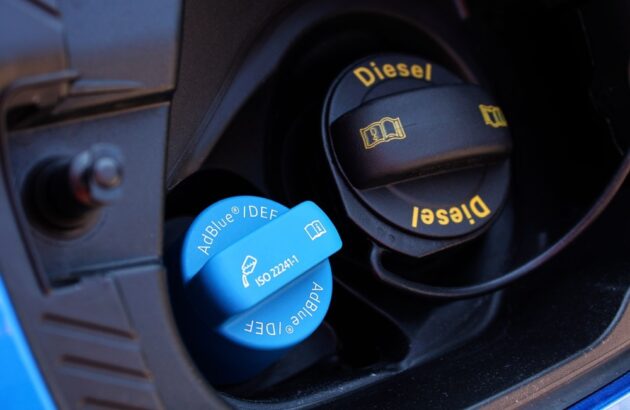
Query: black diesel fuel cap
x=421, y=149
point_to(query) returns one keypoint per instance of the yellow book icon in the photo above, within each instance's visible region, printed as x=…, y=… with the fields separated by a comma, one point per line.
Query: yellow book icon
x=385, y=130
x=493, y=116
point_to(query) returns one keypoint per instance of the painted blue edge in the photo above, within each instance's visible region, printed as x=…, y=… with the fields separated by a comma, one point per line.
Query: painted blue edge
x=615, y=394
x=21, y=385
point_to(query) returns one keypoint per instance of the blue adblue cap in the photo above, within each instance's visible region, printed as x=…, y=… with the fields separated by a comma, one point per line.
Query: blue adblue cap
x=257, y=280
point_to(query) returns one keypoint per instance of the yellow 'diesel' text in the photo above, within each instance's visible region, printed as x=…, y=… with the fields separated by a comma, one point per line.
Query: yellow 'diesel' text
x=371, y=73
x=476, y=208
